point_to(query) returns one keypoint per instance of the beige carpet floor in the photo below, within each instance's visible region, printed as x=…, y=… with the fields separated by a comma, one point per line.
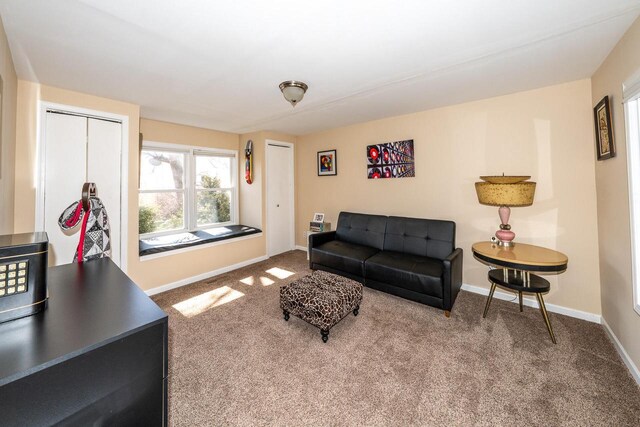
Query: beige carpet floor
x=233, y=360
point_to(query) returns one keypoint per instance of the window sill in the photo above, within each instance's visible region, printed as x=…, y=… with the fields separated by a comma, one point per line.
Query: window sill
x=156, y=247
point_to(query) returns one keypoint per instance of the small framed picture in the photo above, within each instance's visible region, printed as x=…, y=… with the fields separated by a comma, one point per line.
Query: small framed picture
x=605, y=145
x=327, y=163
x=318, y=217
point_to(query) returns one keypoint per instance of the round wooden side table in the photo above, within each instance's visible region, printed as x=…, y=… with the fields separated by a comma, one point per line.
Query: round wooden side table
x=517, y=264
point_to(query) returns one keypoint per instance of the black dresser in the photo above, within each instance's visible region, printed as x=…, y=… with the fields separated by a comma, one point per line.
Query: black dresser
x=96, y=356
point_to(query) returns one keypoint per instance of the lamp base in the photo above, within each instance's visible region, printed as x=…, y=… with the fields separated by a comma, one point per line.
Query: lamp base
x=505, y=235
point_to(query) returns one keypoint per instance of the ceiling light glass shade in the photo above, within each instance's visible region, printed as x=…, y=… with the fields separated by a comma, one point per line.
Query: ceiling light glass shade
x=516, y=194
x=293, y=91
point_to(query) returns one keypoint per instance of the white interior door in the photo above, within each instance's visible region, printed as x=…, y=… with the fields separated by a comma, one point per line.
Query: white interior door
x=103, y=168
x=80, y=149
x=65, y=159
x=280, y=216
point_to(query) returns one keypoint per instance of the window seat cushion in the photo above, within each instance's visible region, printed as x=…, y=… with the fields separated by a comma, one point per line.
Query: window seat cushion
x=155, y=245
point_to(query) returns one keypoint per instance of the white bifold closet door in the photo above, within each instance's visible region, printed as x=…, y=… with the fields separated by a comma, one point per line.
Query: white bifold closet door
x=80, y=149
x=280, y=217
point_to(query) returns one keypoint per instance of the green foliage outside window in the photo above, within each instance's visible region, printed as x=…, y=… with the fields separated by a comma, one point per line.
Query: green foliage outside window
x=213, y=206
x=146, y=220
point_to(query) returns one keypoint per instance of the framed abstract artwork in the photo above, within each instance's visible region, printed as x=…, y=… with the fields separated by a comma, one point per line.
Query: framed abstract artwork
x=605, y=145
x=391, y=160
x=327, y=163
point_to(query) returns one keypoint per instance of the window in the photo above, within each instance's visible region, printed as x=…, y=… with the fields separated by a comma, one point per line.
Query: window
x=162, y=191
x=213, y=189
x=632, y=116
x=185, y=189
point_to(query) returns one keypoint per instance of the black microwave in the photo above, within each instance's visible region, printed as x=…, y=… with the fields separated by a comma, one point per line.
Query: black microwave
x=23, y=274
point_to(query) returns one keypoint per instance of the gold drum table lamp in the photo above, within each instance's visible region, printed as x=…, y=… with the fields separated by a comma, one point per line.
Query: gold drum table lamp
x=505, y=192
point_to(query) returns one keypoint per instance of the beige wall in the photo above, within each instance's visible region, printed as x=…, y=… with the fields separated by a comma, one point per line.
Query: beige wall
x=172, y=268
x=156, y=272
x=147, y=274
x=546, y=133
x=160, y=271
x=8, y=136
x=613, y=202
x=29, y=96
x=252, y=196
x=25, y=158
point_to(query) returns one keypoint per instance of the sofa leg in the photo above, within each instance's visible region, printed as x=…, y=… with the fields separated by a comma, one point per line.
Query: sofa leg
x=325, y=335
x=286, y=315
x=356, y=310
x=447, y=313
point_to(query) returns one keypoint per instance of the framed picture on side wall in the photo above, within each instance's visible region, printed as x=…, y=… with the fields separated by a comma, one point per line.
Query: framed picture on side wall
x=605, y=145
x=327, y=164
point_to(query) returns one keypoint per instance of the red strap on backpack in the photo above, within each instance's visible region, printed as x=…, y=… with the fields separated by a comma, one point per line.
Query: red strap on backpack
x=83, y=230
x=76, y=214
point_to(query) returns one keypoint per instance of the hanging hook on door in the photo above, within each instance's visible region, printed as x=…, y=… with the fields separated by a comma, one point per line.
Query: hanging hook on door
x=89, y=189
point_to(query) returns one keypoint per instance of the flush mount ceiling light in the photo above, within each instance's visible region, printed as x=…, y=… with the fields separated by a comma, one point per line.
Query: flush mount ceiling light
x=293, y=91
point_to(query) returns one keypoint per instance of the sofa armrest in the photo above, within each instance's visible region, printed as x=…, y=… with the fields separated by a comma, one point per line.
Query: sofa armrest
x=452, y=279
x=318, y=239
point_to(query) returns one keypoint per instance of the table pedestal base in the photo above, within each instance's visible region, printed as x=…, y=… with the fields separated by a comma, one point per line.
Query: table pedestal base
x=520, y=281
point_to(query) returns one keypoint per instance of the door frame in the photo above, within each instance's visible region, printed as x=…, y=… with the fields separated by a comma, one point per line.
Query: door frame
x=40, y=169
x=292, y=212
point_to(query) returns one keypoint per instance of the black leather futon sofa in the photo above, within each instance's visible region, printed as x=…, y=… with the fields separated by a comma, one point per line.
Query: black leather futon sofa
x=408, y=257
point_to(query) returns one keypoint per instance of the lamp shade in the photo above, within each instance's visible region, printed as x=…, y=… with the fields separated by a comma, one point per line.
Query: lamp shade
x=515, y=194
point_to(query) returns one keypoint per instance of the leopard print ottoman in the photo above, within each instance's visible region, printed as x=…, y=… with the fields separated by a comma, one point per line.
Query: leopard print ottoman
x=321, y=299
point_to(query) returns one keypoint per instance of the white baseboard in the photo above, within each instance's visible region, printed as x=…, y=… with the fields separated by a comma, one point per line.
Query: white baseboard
x=635, y=372
x=589, y=317
x=301, y=248
x=192, y=279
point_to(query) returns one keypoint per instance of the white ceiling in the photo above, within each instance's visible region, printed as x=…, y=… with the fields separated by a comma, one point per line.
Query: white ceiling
x=218, y=64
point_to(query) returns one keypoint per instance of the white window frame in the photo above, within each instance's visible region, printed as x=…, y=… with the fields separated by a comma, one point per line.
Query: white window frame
x=631, y=95
x=184, y=192
x=234, y=185
x=190, y=216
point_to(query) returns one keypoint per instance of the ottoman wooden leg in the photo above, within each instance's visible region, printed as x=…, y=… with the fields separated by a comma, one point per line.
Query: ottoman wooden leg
x=286, y=315
x=356, y=310
x=325, y=335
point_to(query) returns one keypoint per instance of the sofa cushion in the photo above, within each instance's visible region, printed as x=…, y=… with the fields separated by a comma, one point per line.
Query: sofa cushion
x=416, y=273
x=425, y=237
x=342, y=256
x=361, y=229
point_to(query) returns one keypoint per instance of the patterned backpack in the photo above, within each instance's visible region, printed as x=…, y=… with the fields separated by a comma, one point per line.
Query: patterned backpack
x=94, y=235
